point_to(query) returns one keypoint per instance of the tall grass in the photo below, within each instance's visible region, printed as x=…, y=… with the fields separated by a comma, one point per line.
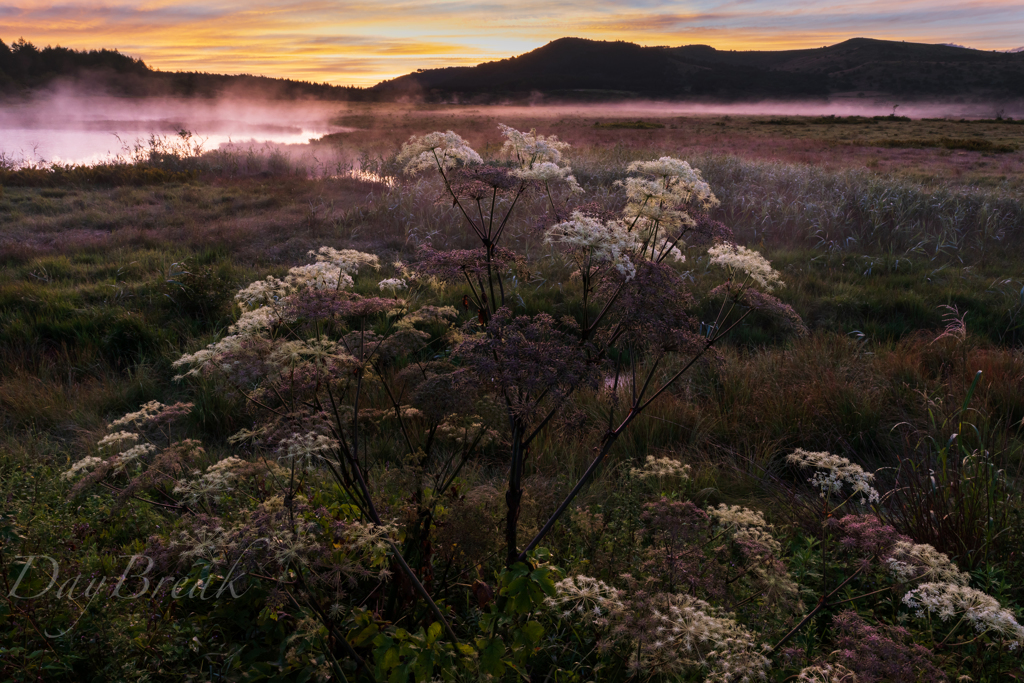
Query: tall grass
x=854, y=210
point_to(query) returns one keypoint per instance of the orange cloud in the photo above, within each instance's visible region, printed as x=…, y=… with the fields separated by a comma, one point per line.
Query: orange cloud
x=362, y=43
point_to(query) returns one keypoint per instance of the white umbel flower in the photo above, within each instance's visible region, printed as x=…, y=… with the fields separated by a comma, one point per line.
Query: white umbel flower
x=909, y=561
x=529, y=148
x=661, y=468
x=306, y=449
x=596, y=243
x=393, y=283
x=347, y=260
x=678, y=178
x=980, y=610
x=118, y=440
x=446, y=150
x=86, y=464
x=740, y=259
x=143, y=415
x=584, y=597
x=835, y=473
x=827, y=673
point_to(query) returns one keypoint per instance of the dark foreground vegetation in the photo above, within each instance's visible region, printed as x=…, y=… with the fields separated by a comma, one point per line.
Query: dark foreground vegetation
x=475, y=425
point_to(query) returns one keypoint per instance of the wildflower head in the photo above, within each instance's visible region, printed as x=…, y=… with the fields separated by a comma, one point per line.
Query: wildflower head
x=739, y=259
x=595, y=243
x=677, y=176
x=909, y=561
x=585, y=598
x=529, y=148
x=437, y=150
x=393, y=284
x=347, y=260
x=661, y=468
x=834, y=473
x=981, y=611
x=306, y=449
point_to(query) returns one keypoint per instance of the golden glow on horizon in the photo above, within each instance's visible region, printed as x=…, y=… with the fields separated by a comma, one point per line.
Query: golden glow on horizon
x=362, y=43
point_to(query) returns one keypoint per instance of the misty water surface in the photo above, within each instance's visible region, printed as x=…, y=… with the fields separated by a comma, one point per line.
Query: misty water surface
x=88, y=130
x=84, y=129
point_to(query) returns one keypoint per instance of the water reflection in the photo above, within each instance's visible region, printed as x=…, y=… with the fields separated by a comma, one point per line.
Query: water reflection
x=74, y=129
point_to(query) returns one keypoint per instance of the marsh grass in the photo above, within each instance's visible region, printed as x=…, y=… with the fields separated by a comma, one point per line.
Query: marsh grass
x=971, y=144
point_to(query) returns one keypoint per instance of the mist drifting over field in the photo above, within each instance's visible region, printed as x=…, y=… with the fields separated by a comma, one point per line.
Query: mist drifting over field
x=72, y=126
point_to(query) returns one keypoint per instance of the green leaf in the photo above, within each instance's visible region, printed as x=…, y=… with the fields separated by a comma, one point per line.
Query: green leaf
x=365, y=635
x=542, y=577
x=433, y=633
x=533, y=630
x=491, y=652
x=400, y=674
x=390, y=659
x=423, y=667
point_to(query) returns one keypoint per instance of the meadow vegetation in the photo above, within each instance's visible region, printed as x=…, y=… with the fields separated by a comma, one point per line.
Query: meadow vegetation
x=695, y=399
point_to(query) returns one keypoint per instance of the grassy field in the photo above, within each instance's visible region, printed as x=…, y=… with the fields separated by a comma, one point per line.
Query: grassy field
x=900, y=243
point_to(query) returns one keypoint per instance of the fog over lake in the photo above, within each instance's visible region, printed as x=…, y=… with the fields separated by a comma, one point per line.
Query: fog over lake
x=87, y=129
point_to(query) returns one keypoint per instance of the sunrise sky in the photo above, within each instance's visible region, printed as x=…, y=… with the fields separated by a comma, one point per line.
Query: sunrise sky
x=364, y=42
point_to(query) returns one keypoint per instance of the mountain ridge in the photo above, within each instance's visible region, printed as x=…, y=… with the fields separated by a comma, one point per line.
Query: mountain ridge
x=857, y=65
x=578, y=69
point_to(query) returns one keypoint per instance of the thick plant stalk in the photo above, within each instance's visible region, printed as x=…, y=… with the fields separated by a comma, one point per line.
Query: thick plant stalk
x=422, y=591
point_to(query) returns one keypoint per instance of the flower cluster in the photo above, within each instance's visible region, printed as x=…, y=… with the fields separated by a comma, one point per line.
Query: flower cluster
x=595, y=243
x=86, y=464
x=429, y=315
x=836, y=472
x=909, y=561
x=134, y=453
x=308, y=290
x=265, y=292
x=659, y=196
x=691, y=634
x=740, y=259
x=118, y=439
x=393, y=283
x=583, y=597
x=319, y=275
x=681, y=183
x=661, y=468
x=445, y=150
x=737, y=517
x=827, y=673
x=152, y=412
x=218, y=480
x=305, y=449
x=349, y=261
x=529, y=148
x=538, y=158
x=980, y=610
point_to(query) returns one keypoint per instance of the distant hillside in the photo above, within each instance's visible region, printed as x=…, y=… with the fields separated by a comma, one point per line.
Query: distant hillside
x=24, y=68
x=574, y=68
x=578, y=69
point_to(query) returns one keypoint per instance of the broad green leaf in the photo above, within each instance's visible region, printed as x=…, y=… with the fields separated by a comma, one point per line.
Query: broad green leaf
x=490, y=656
x=533, y=630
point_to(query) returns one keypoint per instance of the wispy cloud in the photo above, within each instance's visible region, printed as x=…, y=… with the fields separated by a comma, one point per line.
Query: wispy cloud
x=364, y=42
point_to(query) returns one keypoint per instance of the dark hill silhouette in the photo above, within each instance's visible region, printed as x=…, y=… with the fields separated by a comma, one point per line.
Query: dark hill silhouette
x=25, y=68
x=576, y=68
